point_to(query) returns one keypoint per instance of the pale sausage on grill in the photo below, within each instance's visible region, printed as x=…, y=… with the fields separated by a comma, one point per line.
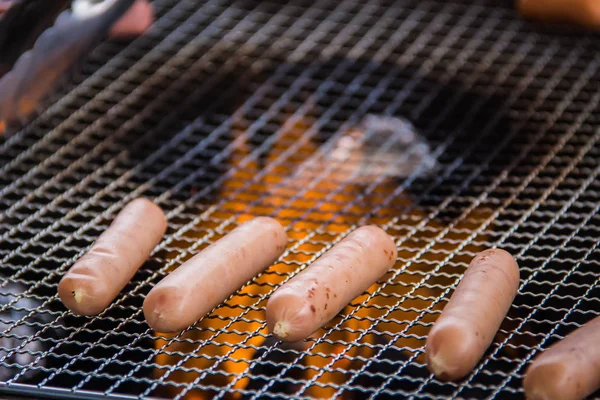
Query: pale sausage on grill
x=570, y=369
x=582, y=12
x=470, y=320
x=316, y=295
x=98, y=277
x=209, y=278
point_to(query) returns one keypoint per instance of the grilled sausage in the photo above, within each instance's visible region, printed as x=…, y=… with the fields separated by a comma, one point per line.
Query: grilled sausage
x=317, y=294
x=98, y=277
x=570, y=369
x=582, y=12
x=473, y=315
x=209, y=278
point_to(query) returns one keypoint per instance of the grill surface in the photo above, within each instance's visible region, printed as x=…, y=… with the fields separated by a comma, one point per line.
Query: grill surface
x=227, y=110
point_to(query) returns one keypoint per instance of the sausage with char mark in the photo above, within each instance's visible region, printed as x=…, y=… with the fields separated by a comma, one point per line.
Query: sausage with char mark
x=316, y=295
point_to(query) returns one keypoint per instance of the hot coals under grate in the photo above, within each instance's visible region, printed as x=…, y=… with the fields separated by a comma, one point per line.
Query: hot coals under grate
x=453, y=125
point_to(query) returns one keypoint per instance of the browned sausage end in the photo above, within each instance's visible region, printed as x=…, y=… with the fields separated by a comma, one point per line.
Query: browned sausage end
x=317, y=294
x=97, y=278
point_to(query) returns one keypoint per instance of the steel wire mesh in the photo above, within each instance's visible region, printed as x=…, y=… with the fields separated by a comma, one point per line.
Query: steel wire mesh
x=227, y=110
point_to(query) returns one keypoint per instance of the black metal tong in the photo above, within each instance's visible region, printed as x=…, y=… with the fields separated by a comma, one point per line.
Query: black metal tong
x=40, y=42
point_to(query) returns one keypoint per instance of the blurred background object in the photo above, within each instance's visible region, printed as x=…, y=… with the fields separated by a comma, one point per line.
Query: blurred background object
x=579, y=12
x=42, y=42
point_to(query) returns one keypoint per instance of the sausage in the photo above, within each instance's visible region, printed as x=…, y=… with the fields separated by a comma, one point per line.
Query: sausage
x=135, y=21
x=568, y=370
x=96, y=279
x=316, y=295
x=581, y=12
x=210, y=277
x=470, y=320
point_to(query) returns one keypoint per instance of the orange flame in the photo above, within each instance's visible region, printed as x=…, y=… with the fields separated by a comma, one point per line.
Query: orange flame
x=408, y=302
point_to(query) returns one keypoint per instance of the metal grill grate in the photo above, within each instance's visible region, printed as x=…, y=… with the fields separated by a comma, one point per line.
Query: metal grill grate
x=230, y=109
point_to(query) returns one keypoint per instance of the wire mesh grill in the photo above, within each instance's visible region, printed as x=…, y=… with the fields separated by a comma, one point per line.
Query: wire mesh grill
x=230, y=109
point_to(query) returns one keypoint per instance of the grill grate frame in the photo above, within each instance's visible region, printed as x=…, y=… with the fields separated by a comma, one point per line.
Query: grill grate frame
x=226, y=110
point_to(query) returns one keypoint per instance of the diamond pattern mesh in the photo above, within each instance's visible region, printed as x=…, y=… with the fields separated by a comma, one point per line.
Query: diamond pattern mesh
x=231, y=109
